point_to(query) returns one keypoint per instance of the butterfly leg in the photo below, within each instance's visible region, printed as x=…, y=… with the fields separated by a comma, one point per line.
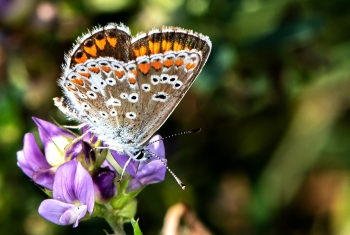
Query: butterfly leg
x=123, y=171
x=76, y=127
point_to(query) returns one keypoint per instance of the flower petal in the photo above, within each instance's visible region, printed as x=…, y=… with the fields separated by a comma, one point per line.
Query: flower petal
x=53, y=210
x=151, y=173
x=64, y=185
x=22, y=163
x=84, y=187
x=81, y=212
x=80, y=151
x=104, y=185
x=157, y=147
x=89, y=137
x=45, y=178
x=121, y=159
x=55, y=139
x=73, y=183
x=133, y=185
x=32, y=154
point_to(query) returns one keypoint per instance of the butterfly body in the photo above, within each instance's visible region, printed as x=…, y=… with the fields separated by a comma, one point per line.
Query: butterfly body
x=125, y=88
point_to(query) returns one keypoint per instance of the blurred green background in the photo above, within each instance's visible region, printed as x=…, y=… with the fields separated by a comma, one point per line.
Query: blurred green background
x=273, y=101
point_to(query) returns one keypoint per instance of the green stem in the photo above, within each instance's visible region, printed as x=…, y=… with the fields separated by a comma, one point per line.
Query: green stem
x=117, y=226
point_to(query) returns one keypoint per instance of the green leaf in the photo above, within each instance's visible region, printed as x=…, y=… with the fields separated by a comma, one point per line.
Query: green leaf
x=135, y=225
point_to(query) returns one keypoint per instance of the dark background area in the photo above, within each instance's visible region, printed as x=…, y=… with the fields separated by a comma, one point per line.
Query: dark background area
x=273, y=103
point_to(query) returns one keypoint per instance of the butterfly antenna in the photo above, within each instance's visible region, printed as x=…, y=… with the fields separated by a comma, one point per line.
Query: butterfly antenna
x=194, y=131
x=182, y=185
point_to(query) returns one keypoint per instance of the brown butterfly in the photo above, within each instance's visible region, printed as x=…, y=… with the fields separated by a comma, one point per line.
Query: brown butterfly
x=124, y=88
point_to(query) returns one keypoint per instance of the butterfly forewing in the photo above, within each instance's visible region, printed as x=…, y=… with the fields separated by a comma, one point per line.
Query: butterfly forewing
x=175, y=57
x=125, y=88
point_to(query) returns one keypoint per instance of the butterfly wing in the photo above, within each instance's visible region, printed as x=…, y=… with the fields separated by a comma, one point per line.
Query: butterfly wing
x=168, y=61
x=100, y=86
x=124, y=88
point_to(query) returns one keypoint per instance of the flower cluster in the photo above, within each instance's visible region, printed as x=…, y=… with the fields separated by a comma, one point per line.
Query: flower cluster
x=80, y=179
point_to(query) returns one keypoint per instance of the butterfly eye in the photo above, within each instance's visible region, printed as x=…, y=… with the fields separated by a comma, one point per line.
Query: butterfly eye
x=140, y=155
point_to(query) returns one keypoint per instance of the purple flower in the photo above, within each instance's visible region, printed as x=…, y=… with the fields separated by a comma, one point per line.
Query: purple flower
x=104, y=185
x=146, y=172
x=59, y=148
x=73, y=195
x=33, y=163
x=55, y=140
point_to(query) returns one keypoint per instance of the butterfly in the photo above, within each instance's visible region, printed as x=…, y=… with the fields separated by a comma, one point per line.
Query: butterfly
x=124, y=88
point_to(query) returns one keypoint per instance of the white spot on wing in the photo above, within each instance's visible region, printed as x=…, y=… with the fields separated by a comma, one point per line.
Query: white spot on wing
x=133, y=97
x=146, y=87
x=85, y=106
x=160, y=96
x=123, y=95
x=155, y=79
x=113, y=113
x=113, y=101
x=103, y=114
x=130, y=115
x=91, y=95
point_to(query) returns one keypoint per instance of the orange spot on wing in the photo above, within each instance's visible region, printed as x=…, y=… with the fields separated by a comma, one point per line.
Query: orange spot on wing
x=137, y=52
x=112, y=41
x=106, y=68
x=71, y=88
x=85, y=74
x=156, y=65
x=144, y=67
x=134, y=72
x=101, y=43
x=166, y=45
x=143, y=50
x=187, y=48
x=151, y=47
x=177, y=46
x=78, y=81
x=179, y=62
x=168, y=63
x=190, y=65
x=94, y=69
x=132, y=80
x=154, y=47
x=82, y=59
x=119, y=74
x=91, y=50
